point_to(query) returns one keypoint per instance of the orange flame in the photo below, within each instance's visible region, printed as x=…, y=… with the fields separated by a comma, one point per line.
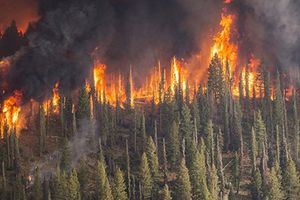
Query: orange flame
x=11, y=109
x=223, y=47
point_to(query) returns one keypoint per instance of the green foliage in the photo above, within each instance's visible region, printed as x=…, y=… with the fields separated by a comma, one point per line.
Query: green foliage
x=198, y=177
x=275, y=191
x=183, y=184
x=119, y=186
x=103, y=189
x=291, y=181
x=73, y=186
x=83, y=107
x=65, y=160
x=146, y=179
x=166, y=194
x=174, y=143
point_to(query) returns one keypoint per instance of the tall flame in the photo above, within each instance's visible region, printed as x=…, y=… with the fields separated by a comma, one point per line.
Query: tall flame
x=223, y=47
x=11, y=110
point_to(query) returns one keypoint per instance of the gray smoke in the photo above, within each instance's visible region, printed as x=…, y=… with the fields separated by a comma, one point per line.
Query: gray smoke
x=270, y=29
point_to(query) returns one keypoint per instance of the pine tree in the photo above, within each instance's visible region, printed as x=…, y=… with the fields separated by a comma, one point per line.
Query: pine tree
x=153, y=159
x=198, y=176
x=174, y=144
x=260, y=131
x=65, y=161
x=166, y=194
x=73, y=186
x=37, y=186
x=186, y=127
x=60, y=190
x=119, y=186
x=83, y=108
x=213, y=183
x=103, y=189
x=295, y=128
x=215, y=82
x=256, y=186
x=183, y=184
x=195, y=112
x=274, y=186
x=83, y=177
x=209, y=142
x=253, y=149
x=278, y=105
x=291, y=181
x=146, y=178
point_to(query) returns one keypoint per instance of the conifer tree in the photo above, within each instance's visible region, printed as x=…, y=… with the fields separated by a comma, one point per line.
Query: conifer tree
x=73, y=186
x=274, y=186
x=186, y=127
x=278, y=105
x=60, y=190
x=103, y=189
x=291, y=181
x=145, y=178
x=195, y=112
x=215, y=82
x=256, y=186
x=166, y=194
x=153, y=163
x=260, y=131
x=213, y=183
x=83, y=109
x=83, y=177
x=295, y=129
x=209, y=142
x=119, y=186
x=183, y=184
x=65, y=161
x=174, y=143
x=253, y=149
x=198, y=176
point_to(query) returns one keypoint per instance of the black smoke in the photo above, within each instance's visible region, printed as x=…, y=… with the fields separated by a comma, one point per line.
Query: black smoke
x=125, y=32
x=141, y=32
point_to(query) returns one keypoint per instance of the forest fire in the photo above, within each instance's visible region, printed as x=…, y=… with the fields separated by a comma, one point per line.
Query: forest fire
x=223, y=47
x=10, y=110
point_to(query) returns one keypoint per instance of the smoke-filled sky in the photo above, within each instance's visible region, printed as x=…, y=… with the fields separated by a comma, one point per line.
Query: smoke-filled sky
x=23, y=11
x=141, y=32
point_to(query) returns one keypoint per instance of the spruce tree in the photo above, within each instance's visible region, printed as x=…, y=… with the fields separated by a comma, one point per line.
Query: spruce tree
x=183, y=184
x=213, y=183
x=83, y=107
x=291, y=181
x=73, y=186
x=119, y=186
x=275, y=191
x=260, y=131
x=153, y=159
x=215, y=82
x=103, y=189
x=83, y=177
x=146, y=178
x=65, y=160
x=174, y=143
x=186, y=125
x=166, y=194
x=198, y=176
x=209, y=142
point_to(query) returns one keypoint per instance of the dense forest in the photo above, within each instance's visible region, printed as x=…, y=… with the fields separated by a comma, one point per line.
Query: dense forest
x=202, y=144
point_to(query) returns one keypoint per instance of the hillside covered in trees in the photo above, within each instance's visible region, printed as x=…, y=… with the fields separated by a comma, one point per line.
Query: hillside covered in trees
x=201, y=144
